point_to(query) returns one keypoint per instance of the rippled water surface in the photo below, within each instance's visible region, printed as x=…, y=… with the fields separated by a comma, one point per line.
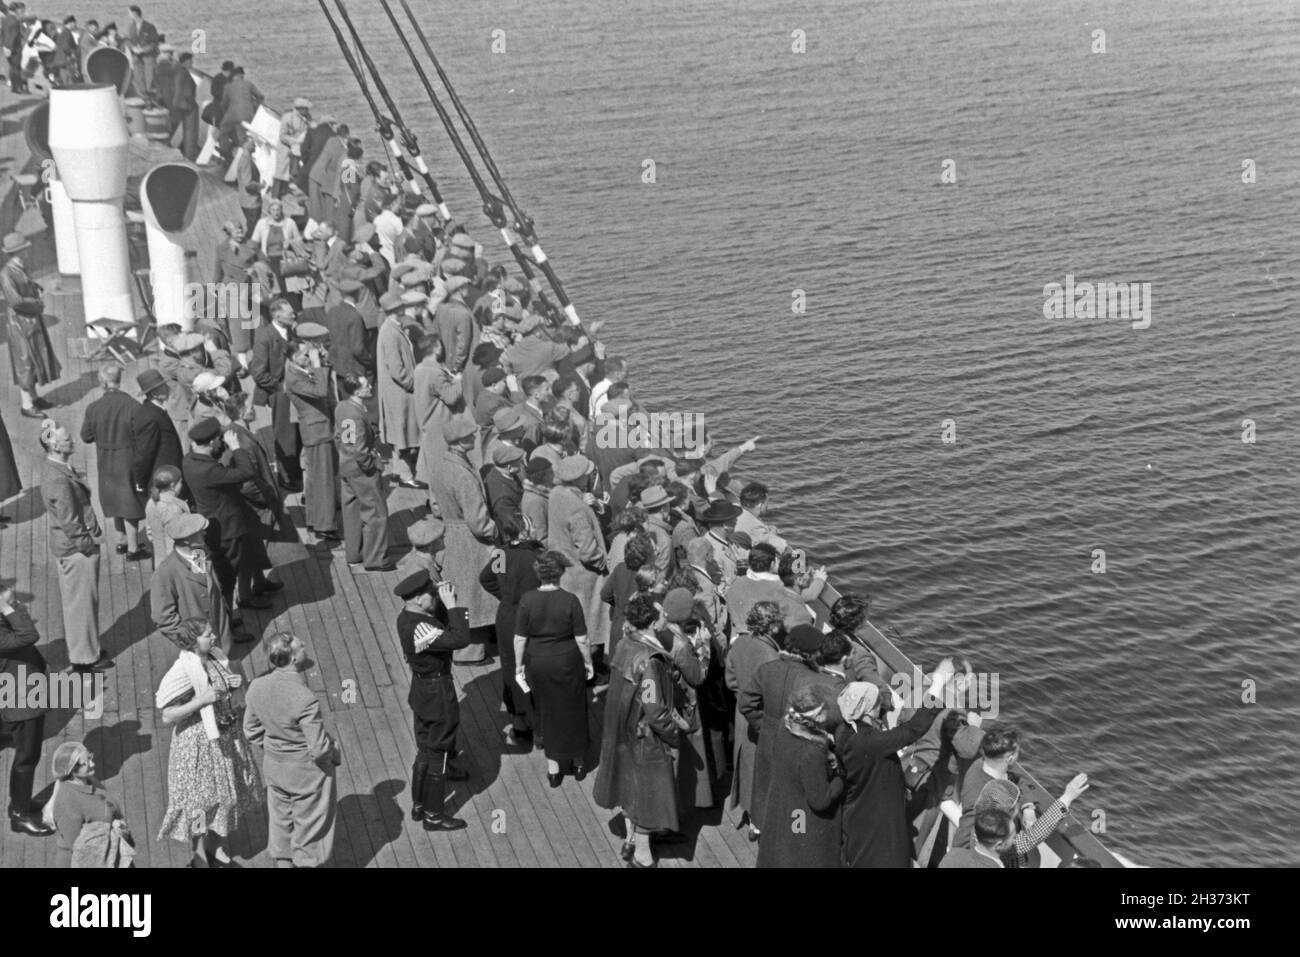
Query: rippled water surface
x=820, y=171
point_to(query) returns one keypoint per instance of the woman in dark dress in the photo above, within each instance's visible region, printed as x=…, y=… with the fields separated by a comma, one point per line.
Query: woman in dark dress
x=509, y=574
x=804, y=804
x=554, y=659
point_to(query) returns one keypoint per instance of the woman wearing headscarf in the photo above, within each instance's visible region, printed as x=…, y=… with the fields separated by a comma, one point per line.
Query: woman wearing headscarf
x=877, y=830
x=212, y=780
x=89, y=824
x=761, y=644
x=553, y=657
x=641, y=735
x=74, y=544
x=573, y=529
x=509, y=575
x=766, y=697
x=804, y=803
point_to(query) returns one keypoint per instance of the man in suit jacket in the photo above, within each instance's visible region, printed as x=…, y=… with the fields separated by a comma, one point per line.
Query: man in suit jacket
x=233, y=529
x=283, y=718
x=142, y=40
x=156, y=441
x=185, y=586
x=349, y=345
x=185, y=106
x=19, y=659
x=269, y=343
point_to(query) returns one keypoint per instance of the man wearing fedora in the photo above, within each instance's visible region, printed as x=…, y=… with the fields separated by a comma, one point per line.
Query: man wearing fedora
x=185, y=585
x=154, y=436
x=31, y=357
x=719, y=520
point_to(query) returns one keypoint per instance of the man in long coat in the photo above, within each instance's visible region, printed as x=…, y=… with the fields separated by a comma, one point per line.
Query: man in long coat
x=284, y=719
x=157, y=443
x=323, y=184
x=572, y=528
x=395, y=357
x=31, y=357
x=269, y=342
x=185, y=586
x=470, y=532
x=454, y=324
x=310, y=389
x=108, y=425
x=438, y=399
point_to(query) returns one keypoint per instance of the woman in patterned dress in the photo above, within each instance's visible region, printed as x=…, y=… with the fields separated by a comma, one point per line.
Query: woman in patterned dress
x=212, y=779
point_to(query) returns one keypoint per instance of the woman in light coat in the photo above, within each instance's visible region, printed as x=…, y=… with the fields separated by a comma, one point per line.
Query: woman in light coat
x=572, y=528
x=438, y=400
x=399, y=425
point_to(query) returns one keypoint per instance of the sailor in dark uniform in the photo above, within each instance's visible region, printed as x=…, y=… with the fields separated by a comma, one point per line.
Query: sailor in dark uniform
x=430, y=626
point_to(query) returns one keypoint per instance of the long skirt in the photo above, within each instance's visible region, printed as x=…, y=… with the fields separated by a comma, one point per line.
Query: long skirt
x=559, y=687
x=320, y=486
x=211, y=785
x=79, y=591
x=31, y=357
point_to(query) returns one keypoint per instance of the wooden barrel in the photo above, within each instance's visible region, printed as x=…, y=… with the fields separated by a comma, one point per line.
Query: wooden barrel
x=156, y=126
x=134, y=108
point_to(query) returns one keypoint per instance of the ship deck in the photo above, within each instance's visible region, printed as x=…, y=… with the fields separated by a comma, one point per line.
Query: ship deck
x=515, y=818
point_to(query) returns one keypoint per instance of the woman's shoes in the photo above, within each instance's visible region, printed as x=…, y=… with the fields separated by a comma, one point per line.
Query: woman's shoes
x=554, y=779
x=635, y=863
x=214, y=861
x=579, y=772
x=628, y=851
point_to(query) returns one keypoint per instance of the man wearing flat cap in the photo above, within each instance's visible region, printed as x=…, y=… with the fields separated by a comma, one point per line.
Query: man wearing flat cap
x=365, y=509
x=427, y=551
x=185, y=585
x=503, y=484
x=455, y=324
x=349, y=343
x=430, y=627
x=426, y=229
x=470, y=532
